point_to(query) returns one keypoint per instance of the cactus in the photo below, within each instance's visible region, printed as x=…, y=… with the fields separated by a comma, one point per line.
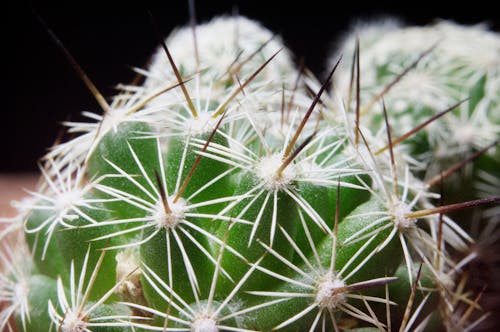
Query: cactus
x=222, y=195
x=435, y=68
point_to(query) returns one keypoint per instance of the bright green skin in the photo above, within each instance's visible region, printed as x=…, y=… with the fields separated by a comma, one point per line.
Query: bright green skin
x=69, y=246
x=53, y=265
x=380, y=265
x=114, y=148
x=239, y=236
x=154, y=252
x=206, y=169
x=110, y=310
x=41, y=290
x=74, y=243
x=323, y=199
x=154, y=255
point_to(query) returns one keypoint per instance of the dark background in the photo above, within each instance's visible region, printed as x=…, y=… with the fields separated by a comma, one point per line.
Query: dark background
x=40, y=89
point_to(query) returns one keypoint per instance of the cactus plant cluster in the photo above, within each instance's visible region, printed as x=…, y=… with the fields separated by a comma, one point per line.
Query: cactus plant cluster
x=233, y=191
x=444, y=67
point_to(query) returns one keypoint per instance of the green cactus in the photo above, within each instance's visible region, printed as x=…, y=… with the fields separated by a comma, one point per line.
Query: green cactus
x=221, y=196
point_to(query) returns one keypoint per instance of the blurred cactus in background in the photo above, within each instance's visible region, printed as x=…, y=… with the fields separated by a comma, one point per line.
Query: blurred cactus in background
x=231, y=190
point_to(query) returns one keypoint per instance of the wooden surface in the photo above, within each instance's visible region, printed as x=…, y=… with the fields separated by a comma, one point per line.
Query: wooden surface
x=13, y=187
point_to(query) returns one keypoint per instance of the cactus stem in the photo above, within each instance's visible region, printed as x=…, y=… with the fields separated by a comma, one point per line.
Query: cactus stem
x=327, y=289
x=75, y=314
x=77, y=310
x=63, y=201
x=217, y=268
x=207, y=314
x=181, y=221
